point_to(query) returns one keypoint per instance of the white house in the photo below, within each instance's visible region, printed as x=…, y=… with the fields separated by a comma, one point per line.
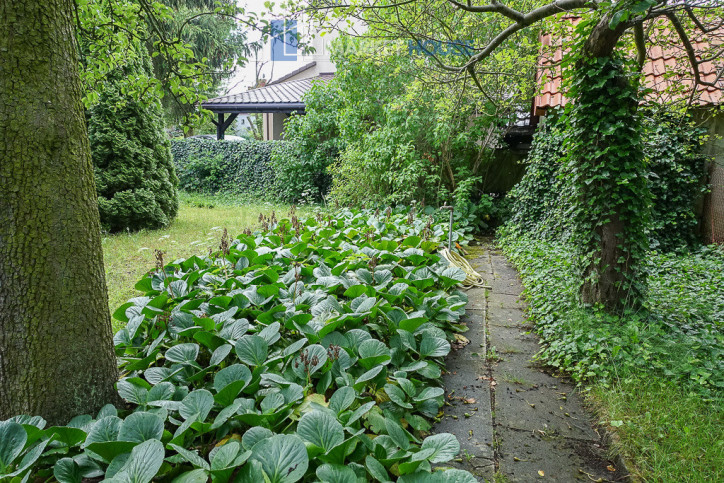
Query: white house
x=284, y=71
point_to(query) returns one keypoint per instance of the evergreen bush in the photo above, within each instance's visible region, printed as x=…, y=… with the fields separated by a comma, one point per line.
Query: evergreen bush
x=134, y=174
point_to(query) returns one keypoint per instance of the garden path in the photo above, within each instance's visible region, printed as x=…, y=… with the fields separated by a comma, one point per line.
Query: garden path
x=514, y=421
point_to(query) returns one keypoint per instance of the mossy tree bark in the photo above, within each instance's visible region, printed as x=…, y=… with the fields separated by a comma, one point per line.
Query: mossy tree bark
x=56, y=344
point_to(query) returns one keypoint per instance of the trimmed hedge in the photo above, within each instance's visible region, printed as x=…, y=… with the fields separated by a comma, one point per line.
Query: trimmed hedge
x=210, y=166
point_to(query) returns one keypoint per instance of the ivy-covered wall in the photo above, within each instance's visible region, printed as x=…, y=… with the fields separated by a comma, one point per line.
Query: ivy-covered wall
x=676, y=160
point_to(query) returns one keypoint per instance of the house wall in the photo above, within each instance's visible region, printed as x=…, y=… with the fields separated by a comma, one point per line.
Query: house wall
x=713, y=209
x=273, y=125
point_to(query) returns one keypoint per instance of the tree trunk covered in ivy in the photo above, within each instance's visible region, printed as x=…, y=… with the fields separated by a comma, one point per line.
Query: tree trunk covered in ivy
x=609, y=174
x=56, y=344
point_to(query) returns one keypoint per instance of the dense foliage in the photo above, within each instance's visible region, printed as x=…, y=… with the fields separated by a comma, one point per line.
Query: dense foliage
x=389, y=136
x=310, y=350
x=214, y=38
x=678, y=342
x=134, y=173
x=239, y=167
x=312, y=145
x=542, y=201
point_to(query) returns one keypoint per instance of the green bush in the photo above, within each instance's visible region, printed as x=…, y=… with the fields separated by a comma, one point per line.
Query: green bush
x=542, y=201
x=238, y=167
x=134, y=174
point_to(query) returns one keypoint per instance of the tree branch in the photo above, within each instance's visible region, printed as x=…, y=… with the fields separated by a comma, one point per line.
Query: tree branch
x=690, y=53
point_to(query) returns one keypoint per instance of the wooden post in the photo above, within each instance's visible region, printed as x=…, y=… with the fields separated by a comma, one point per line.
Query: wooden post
x=220, y=128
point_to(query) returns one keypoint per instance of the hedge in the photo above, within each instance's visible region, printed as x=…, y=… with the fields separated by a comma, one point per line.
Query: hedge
x=210, y=166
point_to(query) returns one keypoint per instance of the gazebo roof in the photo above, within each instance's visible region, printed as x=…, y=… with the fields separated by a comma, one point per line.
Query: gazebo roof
x=276, y=97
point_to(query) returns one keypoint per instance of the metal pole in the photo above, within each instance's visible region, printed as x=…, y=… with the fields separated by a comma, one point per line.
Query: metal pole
x=449, y=233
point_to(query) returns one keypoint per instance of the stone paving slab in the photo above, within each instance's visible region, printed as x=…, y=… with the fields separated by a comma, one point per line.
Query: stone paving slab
x=510, y=287
x=512, y=418
x=505, y=301
x=563, y=460
x=507, y=318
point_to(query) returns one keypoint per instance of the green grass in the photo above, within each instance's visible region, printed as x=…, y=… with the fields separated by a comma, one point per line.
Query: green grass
x=197, y=228
x=663, y=432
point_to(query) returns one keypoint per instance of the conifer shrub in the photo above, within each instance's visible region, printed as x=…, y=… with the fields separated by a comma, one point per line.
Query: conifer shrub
x=134, y=173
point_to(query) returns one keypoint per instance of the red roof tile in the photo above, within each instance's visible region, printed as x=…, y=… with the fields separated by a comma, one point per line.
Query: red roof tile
x=667, y=71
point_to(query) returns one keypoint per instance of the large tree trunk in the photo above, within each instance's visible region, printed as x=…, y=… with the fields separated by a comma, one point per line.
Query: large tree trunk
x=56, y=345
x=610, y=271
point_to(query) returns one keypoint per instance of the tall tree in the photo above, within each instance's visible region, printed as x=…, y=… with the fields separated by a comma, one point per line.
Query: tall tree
x=614, y=238
x=216, y=38
x=56, y=347
x=134, y=170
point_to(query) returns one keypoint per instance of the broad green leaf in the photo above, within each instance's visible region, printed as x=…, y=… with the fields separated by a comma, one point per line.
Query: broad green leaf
x=252, y=350
x=368, y=376
x=105, y=429
x=283, y=458
x=66, y=470
x=198, y=403
x=145, y=461
x=398, y=435
x=231, y=374
x=373, y=352
x=431, y=346
x=253, y=435
x=191, y=456
x=376, y=469
x=194, y=476
x=447, y=476
x=397, y=396
x=66, y=435
x=429, y=393
x=132, y=392
x=183, y=353
x=328, y=473
x=446, y=447
x=342, y=399
x=141, y=426
x=220, y=354
x=111, y=449
x=12, y=442
x=321, y=429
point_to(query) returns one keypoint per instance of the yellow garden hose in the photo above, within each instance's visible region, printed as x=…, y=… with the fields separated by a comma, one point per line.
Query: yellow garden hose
x=472, y=278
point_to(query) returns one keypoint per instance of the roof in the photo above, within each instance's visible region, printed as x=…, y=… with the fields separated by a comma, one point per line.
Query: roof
x=666, y=70
x=293, y=73
x=282, y=97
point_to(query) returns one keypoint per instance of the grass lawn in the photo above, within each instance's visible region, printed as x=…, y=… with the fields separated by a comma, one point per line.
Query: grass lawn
x=197, y=228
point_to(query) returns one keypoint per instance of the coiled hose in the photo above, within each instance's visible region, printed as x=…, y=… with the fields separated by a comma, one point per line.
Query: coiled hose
x=472, y=278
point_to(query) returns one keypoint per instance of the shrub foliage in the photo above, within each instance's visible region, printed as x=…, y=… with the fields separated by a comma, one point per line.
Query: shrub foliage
x=134, y=173
x=308, y=351
x=675, y=167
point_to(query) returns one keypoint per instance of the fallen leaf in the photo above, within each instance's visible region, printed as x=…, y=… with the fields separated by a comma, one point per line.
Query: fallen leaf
x=469, y=400
x=540, y=472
